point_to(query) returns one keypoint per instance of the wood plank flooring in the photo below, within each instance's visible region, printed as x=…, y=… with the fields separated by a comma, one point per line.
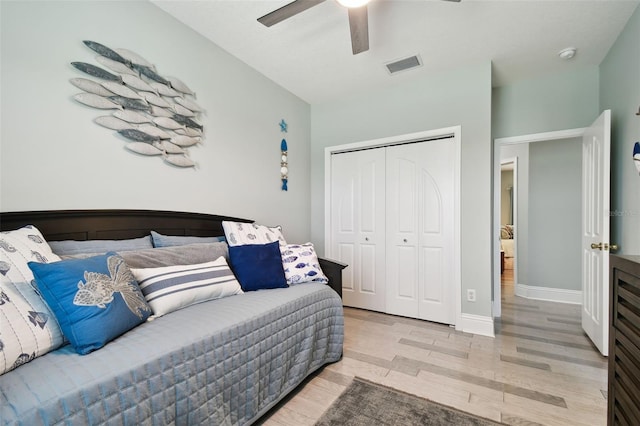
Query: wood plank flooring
x=539, y=369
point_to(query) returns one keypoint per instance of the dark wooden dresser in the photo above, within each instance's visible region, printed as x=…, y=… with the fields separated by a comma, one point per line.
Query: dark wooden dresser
x=624, y=341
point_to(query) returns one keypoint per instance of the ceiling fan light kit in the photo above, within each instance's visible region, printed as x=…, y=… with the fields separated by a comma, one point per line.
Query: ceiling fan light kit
x=351, y=4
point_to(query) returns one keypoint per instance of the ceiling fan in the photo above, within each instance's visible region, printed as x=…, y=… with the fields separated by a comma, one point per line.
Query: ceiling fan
x=358, y=19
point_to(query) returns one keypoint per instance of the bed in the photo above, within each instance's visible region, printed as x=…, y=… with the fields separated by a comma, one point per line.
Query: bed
x=223, y=361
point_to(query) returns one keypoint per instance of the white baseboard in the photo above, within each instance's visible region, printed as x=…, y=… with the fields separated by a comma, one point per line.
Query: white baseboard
x=549, y=294
x=476, y=324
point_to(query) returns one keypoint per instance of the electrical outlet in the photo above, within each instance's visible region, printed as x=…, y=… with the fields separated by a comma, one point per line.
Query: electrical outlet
x=471, y=295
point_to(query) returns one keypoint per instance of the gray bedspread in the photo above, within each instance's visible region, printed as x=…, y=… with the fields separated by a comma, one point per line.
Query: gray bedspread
x=225, y=361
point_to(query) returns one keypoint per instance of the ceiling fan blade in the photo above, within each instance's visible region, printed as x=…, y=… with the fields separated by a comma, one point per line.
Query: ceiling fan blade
x=287, y=11
x=359, y=26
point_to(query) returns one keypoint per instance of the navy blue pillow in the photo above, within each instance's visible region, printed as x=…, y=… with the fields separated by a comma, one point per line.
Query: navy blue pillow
x=94, y=300
x=258, y=266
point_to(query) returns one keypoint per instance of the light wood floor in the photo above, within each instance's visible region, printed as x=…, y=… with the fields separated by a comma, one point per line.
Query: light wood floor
x=539, y=369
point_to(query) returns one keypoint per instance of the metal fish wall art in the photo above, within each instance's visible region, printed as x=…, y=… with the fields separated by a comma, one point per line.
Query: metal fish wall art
x=189, y=104
x=143, y=148
x=155, y=116
x=137, y=135
x=137, y=83
x=96, y=71
x=180, y=86
x=132, y=117
x=121, y=90
x=131, y=103
x=90, y=86
x=96, y=101
x=179, y=160
x=106, y=52
x=113, y=123
x=116, y=66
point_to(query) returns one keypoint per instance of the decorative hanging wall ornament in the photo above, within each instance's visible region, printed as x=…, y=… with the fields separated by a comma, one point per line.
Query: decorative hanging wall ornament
x=636, y=156
x=152, y=113
x=284, y=164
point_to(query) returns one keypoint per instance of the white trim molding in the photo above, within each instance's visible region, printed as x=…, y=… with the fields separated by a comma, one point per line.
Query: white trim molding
x=476, y=324
x=549, y=294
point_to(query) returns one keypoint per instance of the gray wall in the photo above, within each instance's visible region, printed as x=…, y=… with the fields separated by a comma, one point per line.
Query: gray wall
x=460, y=97
x=620, y=92
x=555, y=181
x=54, y=157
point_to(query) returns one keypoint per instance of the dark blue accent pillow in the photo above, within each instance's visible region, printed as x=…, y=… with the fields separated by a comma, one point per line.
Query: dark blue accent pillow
x=94, y=300
x=258, y=266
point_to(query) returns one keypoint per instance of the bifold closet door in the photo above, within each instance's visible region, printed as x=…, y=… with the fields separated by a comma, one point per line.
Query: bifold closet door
x=358, y=225
x=420, y=230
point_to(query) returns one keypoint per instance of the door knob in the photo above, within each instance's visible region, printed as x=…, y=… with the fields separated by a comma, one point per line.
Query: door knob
x=596, y=246
x=612, y=247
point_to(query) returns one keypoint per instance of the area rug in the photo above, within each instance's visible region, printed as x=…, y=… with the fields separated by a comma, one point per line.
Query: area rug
x=367, y=403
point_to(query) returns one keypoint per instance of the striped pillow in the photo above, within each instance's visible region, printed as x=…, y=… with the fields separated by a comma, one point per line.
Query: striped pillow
x=170, y=288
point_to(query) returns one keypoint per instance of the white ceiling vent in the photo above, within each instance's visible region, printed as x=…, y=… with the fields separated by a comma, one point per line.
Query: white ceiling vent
x=403, y=64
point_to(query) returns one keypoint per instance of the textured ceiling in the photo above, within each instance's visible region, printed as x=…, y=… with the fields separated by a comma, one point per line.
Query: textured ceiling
x=310, y=53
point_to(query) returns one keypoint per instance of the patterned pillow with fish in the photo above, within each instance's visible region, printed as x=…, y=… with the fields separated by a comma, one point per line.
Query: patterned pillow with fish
x=94, y=300
x=301, y=264
x=241, y=233
x=28, y=327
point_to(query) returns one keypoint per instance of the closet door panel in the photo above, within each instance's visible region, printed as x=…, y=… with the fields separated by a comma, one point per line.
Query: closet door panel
x=357, y=222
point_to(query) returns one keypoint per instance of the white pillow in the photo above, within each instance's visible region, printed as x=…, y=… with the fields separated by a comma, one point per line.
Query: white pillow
x=170, y=288
x=301, y=264
x=29, y=328
x=241, y=233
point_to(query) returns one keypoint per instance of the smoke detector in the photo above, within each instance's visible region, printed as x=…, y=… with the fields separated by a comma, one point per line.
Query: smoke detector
x=567, y=53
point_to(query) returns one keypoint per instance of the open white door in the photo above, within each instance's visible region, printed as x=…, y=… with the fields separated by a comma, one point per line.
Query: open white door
x=595, y=231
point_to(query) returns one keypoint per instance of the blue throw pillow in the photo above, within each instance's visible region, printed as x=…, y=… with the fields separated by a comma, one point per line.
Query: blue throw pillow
x=258, y=266
x=94, y=300
x=160, y=240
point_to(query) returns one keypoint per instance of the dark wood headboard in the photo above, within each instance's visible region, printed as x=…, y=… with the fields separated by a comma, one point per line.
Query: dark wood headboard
x=58, y=225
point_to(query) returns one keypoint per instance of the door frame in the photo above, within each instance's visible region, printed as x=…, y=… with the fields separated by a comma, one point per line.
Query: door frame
x=456, y=133
x=497, y=145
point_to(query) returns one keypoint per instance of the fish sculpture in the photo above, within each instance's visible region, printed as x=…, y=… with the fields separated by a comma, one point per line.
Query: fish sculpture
x=90, y=86
x=106, y=52
x=121, y=90
x=95, y=101
x=187, y=121
x=151, y=74
x=180, y=86
x=137, y=135
x=184, y=141
x=179, y=160
x=160, y=112
x=143, y=148
x=188, y=131
x=96, y=71
x=180, y=110
x=134, y=57
x=130, y=103
x=154, y=131
x=113, y=123
x=189, y=104
x=137, y=83
x=132, y=117
x=169, y=147
x=98, y=289
x=116, y=66
x=167, y=123
x=164, y=90
x=156, y=100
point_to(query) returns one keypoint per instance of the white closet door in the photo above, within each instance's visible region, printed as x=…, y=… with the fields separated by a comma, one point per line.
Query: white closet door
x=420, y=230
x=357, y=225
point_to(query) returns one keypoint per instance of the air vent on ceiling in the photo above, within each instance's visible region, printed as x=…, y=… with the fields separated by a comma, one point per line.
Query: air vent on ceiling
x=403, y=64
